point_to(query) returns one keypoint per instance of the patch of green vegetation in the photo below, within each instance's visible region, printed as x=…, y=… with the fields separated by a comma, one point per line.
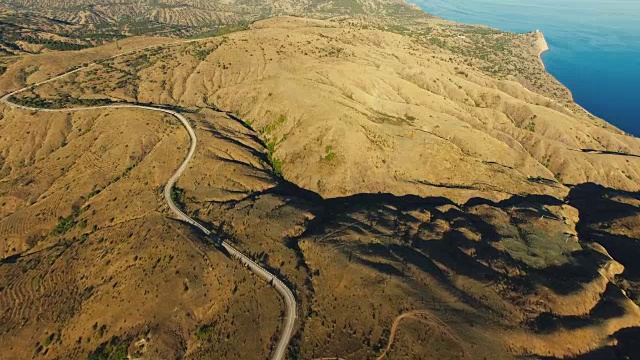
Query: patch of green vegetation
x=401, y=9
x=87, y=292
x=276, y=163
x=382, y=341
x=94, y=193
x=114, y=349
x=437, y=42
x=240, y=26
x=140, y=62
x=539, y=250
x=55, y=44
x=67, y=223
x=58, y=103
x=137, y=26
x=101, y=330
x=49, y=339
x=105, y=36
x=201, y=52
x=479, y=30
x=275, y=124
x=397, y=29
x=329, y=154
x=129, y=168
x=206, y=332
x=177, y=195
x=386, y=119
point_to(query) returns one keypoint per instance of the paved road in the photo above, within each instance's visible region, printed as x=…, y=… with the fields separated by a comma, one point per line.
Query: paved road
x=281, y=288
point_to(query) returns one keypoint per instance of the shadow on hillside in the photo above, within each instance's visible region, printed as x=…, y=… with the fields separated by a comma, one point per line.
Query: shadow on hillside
x=610, y=306
x=385, y=214
x=384, y=217
x=627, y=348
x=599, y=209
x=391, y=234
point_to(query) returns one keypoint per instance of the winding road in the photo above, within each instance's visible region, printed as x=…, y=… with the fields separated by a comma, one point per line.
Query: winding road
x=290, y=301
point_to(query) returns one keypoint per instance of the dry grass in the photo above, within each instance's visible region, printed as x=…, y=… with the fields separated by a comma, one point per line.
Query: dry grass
x=506, y=266
x=399, y=114
x=121, y=267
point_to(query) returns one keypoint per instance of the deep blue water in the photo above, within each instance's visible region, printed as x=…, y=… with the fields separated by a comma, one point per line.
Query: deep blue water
x=595, y=46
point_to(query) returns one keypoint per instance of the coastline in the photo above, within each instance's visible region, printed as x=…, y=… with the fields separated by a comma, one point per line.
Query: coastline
x=542, y=45
x=575, y=48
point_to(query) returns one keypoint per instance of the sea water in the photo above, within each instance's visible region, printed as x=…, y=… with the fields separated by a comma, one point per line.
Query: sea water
x=594, y=46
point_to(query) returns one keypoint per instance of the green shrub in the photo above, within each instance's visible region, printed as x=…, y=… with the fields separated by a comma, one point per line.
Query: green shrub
x=329, y=154
x=55, y=44
x=274, y=125
x=64, y=224
x=276, y=164
x=114, y=349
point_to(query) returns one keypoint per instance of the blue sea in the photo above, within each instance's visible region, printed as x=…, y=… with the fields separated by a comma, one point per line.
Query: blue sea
x=595, y=46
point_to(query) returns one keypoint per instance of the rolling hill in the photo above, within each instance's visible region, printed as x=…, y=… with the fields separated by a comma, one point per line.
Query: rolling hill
x=424, y=188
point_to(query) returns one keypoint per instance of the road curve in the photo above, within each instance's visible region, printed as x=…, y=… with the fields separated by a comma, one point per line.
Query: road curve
x=426, y=316
x=290, y=301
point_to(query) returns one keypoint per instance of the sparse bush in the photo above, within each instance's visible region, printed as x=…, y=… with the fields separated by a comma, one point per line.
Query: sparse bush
x=274, y=125
x=177, y=195
x=65, y=224
x=276, y=163
x=55, y=44
x=114, y=349
x=205, y=331
x=329, y=154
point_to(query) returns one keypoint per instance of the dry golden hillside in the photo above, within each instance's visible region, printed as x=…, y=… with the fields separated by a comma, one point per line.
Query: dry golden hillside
x=19, y=71
x=346, y=109
x=426, y=191
x=93, y=263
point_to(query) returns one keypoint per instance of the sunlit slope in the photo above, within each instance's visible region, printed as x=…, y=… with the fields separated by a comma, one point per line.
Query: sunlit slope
x=347, y=110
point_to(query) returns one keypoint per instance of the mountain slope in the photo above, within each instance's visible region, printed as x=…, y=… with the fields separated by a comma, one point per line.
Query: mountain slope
x=348, y=110
x=424, y=188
